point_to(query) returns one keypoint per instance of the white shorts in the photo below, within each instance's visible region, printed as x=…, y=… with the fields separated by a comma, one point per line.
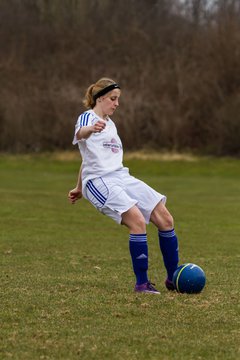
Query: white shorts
x=117, y=192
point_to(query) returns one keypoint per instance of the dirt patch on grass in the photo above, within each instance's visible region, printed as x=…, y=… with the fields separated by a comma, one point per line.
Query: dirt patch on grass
x=163, y=156
x=141, y=155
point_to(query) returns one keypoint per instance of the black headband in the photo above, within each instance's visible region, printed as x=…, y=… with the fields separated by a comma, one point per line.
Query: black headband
x=105, y=90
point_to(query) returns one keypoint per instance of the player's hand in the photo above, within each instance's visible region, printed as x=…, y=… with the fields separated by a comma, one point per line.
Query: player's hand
x=99, y=126
x=74, y=195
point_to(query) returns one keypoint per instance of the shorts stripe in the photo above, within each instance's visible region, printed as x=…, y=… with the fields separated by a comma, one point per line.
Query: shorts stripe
x=94, y=191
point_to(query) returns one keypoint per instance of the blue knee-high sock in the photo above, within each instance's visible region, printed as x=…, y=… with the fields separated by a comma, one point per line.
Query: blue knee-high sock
x=169, y=247
x=139, y=252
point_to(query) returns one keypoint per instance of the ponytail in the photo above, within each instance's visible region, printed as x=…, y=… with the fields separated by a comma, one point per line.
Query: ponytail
x=89, y=100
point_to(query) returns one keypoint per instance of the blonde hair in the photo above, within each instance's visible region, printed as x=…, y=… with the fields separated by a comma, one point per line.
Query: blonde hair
x=89, y=102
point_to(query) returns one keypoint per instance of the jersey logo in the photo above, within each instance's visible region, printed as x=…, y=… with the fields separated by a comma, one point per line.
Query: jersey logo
x=113, y=145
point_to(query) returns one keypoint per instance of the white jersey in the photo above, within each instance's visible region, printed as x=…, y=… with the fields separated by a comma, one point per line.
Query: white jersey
x=102, y=152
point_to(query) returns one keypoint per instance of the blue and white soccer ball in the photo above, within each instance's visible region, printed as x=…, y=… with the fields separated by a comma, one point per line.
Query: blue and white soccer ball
x=189, y=278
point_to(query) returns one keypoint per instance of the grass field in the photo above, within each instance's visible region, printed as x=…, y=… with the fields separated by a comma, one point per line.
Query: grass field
x=66, y=276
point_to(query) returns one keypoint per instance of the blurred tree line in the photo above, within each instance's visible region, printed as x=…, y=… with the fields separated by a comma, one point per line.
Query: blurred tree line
x=178, y=64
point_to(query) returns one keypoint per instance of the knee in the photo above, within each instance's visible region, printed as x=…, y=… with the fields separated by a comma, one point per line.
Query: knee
x=134, y=220
x=168, y=222
x=139, y=225
x=162, y=218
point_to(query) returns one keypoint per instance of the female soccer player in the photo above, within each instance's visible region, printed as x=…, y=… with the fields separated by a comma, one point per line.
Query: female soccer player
x=107, y=184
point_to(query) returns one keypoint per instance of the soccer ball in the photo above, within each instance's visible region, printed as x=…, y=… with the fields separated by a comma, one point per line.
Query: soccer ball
x=189, y=278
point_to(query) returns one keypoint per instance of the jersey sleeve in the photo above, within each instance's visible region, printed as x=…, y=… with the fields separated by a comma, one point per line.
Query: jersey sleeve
x=84, y=119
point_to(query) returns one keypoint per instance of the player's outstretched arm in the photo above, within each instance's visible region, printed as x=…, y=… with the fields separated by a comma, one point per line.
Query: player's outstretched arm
x=86, y=131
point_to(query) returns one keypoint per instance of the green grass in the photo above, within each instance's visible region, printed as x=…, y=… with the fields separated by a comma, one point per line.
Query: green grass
x=66, y=277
